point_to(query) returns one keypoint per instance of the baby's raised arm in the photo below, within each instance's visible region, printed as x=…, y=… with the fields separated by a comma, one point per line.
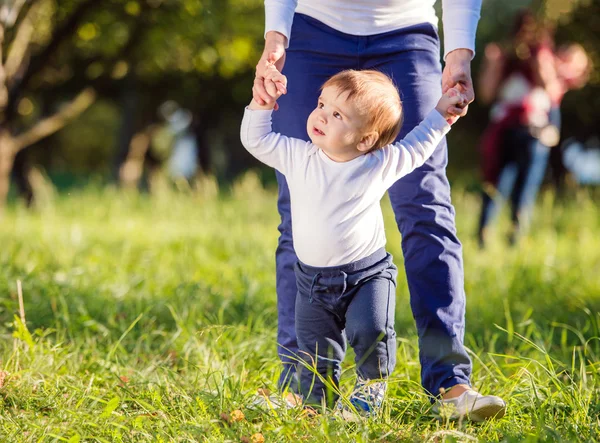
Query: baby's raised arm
x=257, y=136
x=451, y=104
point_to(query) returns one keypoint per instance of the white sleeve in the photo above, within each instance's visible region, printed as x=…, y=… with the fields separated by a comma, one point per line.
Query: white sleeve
x=412, y=151
x=279, y=15
x=460, y=18
x=272, y=149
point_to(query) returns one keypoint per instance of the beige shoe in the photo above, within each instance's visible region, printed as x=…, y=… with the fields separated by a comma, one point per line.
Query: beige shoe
x=471, y=405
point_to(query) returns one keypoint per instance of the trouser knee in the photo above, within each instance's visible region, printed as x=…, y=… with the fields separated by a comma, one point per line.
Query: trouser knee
x=375, y=350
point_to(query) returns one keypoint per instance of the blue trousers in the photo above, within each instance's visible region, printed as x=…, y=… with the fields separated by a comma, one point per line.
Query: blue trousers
x=519, y=181
x=355, y=302
x=421, y=200
x=524, y=163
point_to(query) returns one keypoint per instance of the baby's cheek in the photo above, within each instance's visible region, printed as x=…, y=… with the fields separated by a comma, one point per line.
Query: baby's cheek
x=309, y=127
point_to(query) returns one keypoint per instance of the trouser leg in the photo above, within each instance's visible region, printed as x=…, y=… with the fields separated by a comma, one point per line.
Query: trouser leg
x=425, y=215
x=322, y=346
x=370, y=328
x=370, y=332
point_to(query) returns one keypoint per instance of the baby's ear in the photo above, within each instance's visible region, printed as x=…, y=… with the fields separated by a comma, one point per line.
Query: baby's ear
x=368, y=141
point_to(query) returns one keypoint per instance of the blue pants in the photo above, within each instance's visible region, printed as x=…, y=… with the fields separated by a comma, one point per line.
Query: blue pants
x=354, y=301
x=519, y=180
x=421, y=200
x=524, y=164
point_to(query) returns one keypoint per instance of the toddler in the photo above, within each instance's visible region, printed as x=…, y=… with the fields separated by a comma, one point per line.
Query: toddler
x=346, y=280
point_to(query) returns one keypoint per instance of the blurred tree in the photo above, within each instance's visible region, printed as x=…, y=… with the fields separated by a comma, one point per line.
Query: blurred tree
x=134, y=54
x=16, y=70
x=198, y=54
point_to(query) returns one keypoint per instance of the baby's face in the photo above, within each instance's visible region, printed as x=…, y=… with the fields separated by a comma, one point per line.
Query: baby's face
x=335, y=125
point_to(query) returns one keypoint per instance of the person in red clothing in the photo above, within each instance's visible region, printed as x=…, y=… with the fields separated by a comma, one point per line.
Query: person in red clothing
x=525, y=83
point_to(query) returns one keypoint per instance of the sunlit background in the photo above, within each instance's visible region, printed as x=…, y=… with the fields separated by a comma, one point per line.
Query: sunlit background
x=107, y=66
x=137, y=240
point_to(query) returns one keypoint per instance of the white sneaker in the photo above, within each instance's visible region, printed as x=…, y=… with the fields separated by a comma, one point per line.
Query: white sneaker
x=471, y=405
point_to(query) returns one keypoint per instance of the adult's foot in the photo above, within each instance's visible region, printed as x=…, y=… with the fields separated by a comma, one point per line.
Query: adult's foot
x=461, y=401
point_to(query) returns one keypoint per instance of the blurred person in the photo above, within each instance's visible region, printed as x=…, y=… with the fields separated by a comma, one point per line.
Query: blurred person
x=183, y=160
x=526, y=83
x=346, y=280
x=573, y=71
x=582, y=160
x=310, y=41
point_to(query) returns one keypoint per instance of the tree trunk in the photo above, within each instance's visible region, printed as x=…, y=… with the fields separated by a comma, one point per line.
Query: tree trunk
x=7, y=156
x=129, y=108
x=132, y=168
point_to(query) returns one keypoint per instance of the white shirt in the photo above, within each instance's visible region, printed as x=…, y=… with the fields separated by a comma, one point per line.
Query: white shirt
x=335, y=206
x=369, y=17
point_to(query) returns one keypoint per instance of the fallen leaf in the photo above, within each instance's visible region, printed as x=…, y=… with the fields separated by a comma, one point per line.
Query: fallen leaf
x=236, y=415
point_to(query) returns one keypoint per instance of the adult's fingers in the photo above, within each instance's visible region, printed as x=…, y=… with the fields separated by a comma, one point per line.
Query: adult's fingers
x=259, y=93
x=461, y=112
x=271, y=87
x=454, y=110
x=460, y=79
x=465, y=86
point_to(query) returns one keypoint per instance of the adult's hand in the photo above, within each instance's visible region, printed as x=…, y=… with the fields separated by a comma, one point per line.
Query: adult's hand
x=273, y=54
x=457, y=74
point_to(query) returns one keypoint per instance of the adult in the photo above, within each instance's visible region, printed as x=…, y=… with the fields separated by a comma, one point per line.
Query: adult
x=309, y=41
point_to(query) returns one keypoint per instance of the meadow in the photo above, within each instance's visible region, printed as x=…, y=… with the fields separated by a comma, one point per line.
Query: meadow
x=153, y=319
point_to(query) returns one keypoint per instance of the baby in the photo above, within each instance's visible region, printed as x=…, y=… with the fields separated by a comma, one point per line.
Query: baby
x=346, y=280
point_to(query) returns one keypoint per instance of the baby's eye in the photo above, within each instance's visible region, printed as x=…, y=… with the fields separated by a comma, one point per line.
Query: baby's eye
x=320, y=105
x=337, y=115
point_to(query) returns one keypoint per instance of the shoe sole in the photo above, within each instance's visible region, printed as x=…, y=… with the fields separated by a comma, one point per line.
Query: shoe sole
x=487, y=413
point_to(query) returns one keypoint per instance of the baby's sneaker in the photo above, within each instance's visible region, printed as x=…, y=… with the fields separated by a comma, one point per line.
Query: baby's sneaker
x=366, y=400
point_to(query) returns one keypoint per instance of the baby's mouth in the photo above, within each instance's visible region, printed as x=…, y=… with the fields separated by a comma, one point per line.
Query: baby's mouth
x=318, y=131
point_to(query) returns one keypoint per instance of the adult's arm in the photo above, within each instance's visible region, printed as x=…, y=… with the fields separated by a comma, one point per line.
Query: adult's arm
x=460, y=18
x=279, y=15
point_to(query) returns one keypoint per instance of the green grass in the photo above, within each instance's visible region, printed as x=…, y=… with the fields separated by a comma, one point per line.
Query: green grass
x=152, y=319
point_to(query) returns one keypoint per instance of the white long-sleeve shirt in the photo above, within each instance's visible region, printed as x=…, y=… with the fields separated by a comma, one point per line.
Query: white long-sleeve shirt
x=335, y=206
x=369, y=17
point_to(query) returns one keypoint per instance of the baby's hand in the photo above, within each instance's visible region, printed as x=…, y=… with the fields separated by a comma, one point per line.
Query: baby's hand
x=451, y=105
x=275, y=83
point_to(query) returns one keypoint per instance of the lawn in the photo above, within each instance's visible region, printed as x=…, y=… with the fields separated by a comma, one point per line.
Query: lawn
x=154, y=318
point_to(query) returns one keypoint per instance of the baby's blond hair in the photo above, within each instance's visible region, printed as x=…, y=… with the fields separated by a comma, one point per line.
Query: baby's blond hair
x=376, y=98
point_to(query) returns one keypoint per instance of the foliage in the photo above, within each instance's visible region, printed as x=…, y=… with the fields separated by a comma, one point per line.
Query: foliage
x=202, y=54
x=185, y=50
x=150, y=321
